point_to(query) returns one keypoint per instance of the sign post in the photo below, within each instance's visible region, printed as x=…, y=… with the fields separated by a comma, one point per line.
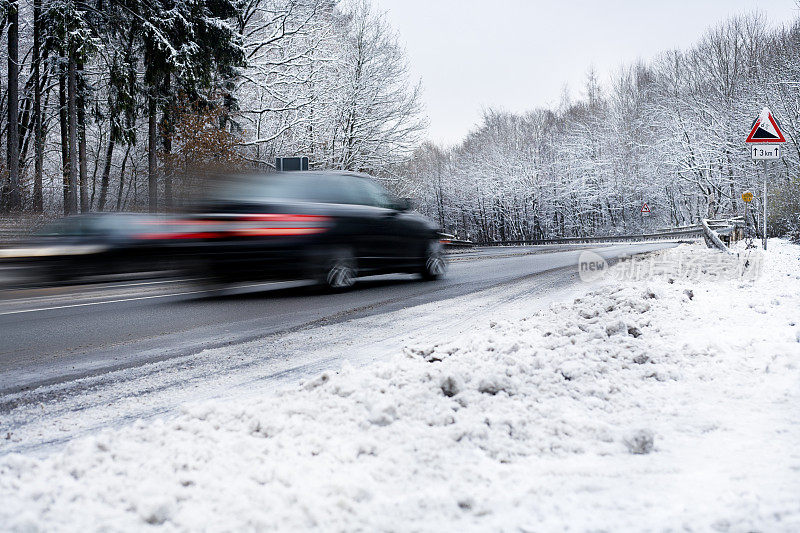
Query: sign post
x=765, y=141
x=747, y=197
x=764, y=201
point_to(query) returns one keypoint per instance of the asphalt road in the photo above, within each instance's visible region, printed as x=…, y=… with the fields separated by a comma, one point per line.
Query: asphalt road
x=58, y=335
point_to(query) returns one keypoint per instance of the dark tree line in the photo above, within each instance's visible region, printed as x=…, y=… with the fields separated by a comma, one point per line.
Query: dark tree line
x=139, y=52
x=120, y=104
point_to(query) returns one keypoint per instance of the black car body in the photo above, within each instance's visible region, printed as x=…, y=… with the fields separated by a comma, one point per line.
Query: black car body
x=329, y=226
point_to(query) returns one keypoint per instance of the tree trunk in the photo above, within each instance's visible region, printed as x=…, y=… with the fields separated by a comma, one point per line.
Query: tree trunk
x=72, y=121
x=38, y=202
x=62, y=115
x=25, y=120
x=81, y=133
x=106, y=174
x=166, y=131
x=95, y=169
x=12, y=143
x=152, y=161
x=122, y=177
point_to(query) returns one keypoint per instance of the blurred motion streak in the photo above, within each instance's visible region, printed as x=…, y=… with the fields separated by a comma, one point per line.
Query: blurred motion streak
x=331, y=227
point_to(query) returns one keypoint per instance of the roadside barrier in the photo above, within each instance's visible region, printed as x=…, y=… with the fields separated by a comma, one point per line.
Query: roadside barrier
x=717, y=233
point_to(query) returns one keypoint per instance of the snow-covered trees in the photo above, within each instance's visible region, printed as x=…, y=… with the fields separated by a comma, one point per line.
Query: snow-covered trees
x=378, y=116
x=114, y=84
x=328, y=81
x=670, y=133
x=108, y=93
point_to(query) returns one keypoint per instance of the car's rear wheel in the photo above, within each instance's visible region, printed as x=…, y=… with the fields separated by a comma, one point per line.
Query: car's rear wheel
x=435, y=264
x=341, y=272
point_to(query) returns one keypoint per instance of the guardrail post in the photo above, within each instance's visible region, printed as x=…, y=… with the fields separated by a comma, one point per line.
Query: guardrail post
x=712, y=237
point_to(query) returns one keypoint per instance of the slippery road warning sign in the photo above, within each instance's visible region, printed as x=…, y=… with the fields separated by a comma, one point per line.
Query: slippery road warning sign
x=645, y=210
x=765, y=129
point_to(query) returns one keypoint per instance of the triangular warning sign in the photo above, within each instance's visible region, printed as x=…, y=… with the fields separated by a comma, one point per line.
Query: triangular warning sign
x=645, y=208
x=765, y=129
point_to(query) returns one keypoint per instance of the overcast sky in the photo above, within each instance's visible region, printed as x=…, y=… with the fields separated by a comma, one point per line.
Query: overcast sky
x=519, y=54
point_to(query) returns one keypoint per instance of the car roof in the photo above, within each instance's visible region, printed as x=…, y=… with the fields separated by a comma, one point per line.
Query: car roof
x=323, y=173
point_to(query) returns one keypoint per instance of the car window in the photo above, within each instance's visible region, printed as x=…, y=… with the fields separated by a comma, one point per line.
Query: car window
x=336, y=189
x=370, y=193
x=259, y=188
x=329, y=188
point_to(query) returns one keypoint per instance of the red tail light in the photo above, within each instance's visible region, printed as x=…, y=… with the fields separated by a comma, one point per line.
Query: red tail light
x=246, y=225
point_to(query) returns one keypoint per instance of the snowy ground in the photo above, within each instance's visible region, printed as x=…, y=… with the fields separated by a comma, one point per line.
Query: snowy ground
x=667, y=401
x=41, y=421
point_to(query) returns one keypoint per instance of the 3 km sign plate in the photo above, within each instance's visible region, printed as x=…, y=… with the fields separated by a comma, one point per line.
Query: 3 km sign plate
x=765, y=151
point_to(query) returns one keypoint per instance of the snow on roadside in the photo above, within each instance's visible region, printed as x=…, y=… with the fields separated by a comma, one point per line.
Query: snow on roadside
x=665, y=402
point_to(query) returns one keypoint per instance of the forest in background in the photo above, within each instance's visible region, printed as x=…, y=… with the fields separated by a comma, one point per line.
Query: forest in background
x=668, y=132
x=127, y=104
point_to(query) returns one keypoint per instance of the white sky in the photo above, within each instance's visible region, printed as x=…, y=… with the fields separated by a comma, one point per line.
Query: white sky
x=519, y=54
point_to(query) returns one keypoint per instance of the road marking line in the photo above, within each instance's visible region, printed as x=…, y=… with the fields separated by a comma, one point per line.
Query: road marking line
x=132, y=299
x=112, y=285
x=87, y=289
x=100, y=303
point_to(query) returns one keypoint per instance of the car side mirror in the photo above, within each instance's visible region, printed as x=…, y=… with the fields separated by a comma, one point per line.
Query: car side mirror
x=405, y=204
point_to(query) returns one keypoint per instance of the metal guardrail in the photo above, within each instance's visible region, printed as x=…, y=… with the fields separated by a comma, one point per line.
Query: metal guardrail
x=450, y=240
x=665, y=234
x=726, y=230
x=712, y=237
x=720, y=233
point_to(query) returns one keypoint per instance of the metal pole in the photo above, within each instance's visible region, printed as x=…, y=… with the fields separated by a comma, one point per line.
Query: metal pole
x=764, y=200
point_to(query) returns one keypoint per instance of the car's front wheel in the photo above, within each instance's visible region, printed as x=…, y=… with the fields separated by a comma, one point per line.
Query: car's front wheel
x=435, y=264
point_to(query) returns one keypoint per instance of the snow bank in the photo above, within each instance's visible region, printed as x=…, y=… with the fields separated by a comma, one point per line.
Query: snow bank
x=663, y=402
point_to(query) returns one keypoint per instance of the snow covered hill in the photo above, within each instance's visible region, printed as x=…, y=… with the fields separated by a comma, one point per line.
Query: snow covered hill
x=665, y=400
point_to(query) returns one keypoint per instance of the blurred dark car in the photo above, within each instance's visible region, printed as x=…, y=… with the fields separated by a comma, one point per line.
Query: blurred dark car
x=328, y=226
x=78, y=246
